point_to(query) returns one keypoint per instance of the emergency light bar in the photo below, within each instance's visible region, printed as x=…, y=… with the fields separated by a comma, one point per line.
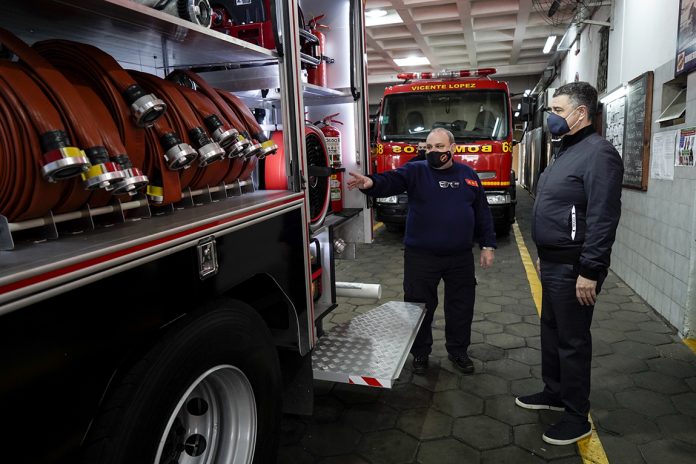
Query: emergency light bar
x=481, y=72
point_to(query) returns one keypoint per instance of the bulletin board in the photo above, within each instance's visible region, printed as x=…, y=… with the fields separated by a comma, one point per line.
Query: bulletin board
x=627, y=125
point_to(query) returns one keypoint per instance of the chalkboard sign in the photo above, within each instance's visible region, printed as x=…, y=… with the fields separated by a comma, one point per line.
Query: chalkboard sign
x=637, y=128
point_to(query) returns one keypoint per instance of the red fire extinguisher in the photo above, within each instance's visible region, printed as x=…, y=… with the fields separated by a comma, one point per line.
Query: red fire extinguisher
x=317, y=75
x=333, y=148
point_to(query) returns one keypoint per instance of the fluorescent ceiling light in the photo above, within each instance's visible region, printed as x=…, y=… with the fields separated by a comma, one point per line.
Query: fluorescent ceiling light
x=389, y=18
x=375, y=13
x=549, y=43
x=412, y=61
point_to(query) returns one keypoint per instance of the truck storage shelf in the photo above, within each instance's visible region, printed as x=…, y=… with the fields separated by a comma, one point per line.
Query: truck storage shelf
x=30, y=259
x=134, y=34
x=246, y=80
x=371, y=348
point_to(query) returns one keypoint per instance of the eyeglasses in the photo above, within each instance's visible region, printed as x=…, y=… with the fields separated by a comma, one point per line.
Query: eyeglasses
x=451, y=184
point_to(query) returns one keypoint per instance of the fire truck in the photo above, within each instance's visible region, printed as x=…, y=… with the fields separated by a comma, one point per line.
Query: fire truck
x=142, y=321
x=468, y=103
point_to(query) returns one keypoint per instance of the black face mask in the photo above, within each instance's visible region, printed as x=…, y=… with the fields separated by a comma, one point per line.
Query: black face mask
x=437, y=159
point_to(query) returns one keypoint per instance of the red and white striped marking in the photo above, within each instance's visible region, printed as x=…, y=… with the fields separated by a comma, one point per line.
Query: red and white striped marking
x=369, y=381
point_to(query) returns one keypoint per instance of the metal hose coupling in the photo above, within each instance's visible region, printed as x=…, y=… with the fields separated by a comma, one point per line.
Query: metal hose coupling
x=59, y=160
x=133, y=180
x=228, y=139
x=267, y=148
x=251, y=150
x=196, y=11
x=145, y=108
x=208, y=151
x=177, y=154
x=103, y=173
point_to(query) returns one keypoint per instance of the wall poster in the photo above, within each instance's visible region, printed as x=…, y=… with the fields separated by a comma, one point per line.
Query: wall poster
x=685, y=152
x=686, y=38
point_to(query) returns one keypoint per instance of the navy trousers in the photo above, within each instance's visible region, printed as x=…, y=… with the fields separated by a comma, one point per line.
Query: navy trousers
x=566, y=341
x=422, y=275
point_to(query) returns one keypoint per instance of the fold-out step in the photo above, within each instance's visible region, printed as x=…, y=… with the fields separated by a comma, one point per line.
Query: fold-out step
x=371, y=348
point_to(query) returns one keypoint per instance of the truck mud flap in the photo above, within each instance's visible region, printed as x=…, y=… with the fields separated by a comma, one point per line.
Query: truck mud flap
x=370, y=349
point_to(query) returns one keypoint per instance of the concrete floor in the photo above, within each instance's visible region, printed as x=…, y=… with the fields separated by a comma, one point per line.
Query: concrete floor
x=643, y=394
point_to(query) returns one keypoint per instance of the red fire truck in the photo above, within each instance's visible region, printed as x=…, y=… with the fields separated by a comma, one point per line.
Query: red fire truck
x=468, y=103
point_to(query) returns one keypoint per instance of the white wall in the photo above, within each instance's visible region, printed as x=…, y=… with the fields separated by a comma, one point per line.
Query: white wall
x=644, y=37
x=586, y=61
x=655, y=249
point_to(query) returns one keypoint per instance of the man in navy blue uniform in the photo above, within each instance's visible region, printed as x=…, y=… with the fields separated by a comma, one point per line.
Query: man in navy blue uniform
x=447, y=213
x=574, y=220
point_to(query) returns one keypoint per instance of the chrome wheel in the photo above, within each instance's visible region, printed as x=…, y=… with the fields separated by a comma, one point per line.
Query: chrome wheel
x=214, y=422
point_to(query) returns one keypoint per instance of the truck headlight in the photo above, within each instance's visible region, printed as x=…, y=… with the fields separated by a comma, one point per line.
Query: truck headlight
x=498, y=198
x=393, y=199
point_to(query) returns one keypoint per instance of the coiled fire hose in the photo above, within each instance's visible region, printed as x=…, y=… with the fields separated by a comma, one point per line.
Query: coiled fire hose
x=221, y=130
x=20, y=152
x=268, y=147
x=189, y=79
x=185, y=122
x=85, y=130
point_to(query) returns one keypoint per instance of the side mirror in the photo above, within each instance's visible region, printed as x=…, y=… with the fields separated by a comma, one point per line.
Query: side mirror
x=526, y=108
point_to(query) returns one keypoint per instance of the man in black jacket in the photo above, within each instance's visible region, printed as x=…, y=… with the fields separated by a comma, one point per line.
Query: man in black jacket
x=447, y=214
x=575, y=215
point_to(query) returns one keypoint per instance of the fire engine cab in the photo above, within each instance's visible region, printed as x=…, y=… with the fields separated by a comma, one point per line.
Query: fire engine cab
x=468, y=103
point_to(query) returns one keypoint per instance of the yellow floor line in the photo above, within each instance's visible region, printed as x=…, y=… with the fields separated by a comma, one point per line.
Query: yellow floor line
x=691, y=343
x=590, y=449
x=529, y=267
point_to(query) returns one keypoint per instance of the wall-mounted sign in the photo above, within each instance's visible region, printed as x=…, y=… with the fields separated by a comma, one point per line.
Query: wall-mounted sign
x=686, y=38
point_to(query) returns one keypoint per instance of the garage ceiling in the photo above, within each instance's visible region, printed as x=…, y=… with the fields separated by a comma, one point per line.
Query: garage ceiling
x=461, y=34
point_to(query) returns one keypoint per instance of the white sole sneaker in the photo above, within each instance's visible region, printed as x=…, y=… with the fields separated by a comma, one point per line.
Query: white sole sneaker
x=569, y=441
x=538, y=406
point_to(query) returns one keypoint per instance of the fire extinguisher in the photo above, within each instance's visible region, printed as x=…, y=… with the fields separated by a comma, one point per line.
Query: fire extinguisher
x=333, y=147
x=317, y=74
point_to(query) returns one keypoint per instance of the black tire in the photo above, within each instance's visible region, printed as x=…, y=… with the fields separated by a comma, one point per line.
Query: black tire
x=139, y=409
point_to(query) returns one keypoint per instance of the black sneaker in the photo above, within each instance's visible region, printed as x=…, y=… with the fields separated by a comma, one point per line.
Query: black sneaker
x=420, y=364
x=567, y=432
x=463, y=363
x=539, y=401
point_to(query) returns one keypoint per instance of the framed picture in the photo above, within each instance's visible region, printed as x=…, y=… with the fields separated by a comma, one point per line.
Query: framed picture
x=685, y=61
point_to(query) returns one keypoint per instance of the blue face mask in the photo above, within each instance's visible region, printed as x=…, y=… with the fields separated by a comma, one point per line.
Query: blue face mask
x=558, y=125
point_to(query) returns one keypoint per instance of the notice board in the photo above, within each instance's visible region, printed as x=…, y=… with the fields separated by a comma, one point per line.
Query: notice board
x=637, y=129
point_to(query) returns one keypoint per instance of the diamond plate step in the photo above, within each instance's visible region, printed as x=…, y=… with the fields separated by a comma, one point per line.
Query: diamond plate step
x=370, y=349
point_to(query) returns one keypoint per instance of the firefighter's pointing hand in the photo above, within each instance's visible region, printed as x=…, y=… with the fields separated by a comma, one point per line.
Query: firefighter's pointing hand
x=359, y=181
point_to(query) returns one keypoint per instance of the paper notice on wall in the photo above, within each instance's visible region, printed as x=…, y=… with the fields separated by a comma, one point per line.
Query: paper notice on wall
x=685, y=152
x=662, y=157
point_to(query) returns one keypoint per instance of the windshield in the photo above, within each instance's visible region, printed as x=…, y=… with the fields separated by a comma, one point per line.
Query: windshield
x=469, y=115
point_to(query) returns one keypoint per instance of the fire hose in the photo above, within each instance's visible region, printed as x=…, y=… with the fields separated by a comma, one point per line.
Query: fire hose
x=104, y=171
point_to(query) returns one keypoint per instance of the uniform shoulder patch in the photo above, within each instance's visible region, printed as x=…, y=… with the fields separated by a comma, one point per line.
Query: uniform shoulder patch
x=472, y=182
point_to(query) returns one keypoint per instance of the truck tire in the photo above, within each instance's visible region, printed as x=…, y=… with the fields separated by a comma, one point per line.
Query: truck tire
x=209, y=392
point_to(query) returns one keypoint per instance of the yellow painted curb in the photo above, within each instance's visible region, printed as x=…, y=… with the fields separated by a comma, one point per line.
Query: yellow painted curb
x=691, y=343
x=590, y=449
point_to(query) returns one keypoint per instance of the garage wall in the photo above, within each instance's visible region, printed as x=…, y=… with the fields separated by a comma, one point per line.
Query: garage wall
x=655, y=249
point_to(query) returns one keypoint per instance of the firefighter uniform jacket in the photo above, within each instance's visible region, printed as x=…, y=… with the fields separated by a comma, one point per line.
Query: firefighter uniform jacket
x=578, y=203
x=447, y=208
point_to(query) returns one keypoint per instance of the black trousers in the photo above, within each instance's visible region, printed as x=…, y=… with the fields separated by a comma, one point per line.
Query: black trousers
x=566, y=341
x=422, y=275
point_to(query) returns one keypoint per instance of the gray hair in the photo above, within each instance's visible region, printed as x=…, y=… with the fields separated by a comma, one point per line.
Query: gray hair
x=450, y=136
x=580, y=94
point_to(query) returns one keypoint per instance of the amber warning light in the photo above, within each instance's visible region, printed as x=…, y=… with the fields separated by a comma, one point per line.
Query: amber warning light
x=481, y=72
